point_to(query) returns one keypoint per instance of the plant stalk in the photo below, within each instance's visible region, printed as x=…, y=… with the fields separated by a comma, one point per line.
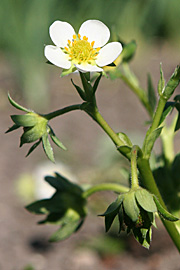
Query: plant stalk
x=64, y=110
x=105, y=186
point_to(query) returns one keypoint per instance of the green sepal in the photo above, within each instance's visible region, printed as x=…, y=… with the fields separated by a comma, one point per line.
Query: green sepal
x=130, y=206
x=121, y=218
x=145, y=200
x=45, y=206
x=96, y=83
x=125, y=139
x=47, y=147
x=86, y=83
x=49, y=63
x=150, y=140
x=80, y=91
x=113, y=206
x=111, y=65
x=143, y=236
x=177, y=127
x=33, y=147
x=104, y=74
x=168, y=108
x=172, y=83
x=25, y=120
x=66, y=72
x=61, y=183
x=151, y=94
x=163, y=212
x=111, y=212
x=16, y=105
x=65, y=231
x=161, y=83
x=30, y=135
x=109, y=220
x=14, y=127
x=55, y=139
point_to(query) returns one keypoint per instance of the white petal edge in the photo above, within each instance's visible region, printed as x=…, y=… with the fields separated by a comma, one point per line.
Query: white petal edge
x=56, y=56
x=60, y=32
x=108, y=54
x=88, y=68
x=95, y=31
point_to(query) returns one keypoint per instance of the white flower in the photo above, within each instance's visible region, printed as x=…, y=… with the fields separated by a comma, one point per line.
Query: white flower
x=85, y=51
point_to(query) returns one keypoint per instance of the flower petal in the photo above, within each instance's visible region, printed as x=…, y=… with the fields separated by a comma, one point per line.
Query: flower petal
x=56, y=56
x=108, y=54
x=88, y=68
x=95, y=31
x=60, y=32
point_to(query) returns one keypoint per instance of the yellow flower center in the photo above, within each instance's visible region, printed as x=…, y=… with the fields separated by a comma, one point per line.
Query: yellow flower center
x=81, y=51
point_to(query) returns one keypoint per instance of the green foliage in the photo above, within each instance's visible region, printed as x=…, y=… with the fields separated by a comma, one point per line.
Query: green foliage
x=172, y=83
x=163, y=212
x=150, y=140
x=151, y=94
x=161, y=83
x=136, y=208
x=66, y=208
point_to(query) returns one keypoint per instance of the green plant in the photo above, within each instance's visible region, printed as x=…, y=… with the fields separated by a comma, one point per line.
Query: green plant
x=135, y=206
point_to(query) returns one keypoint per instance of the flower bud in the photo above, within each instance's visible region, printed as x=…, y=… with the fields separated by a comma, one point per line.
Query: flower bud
x=136, y=213
x=36, y=129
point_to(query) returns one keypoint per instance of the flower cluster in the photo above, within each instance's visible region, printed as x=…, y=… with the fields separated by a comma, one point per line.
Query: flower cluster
x=86, y=51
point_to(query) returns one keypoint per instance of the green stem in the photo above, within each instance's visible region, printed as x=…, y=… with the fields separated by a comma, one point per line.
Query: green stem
x=156, y=119
x=105, y=186
x=104, y=125
x=158, y=113
x=143, y=165
x=59, y=112
x=134, y=176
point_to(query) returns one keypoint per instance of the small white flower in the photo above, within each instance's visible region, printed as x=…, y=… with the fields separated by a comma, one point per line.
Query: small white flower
x=85, y=51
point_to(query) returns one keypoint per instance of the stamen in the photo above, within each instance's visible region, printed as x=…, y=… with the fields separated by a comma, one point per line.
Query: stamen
x=81, y=51
x=92, y=43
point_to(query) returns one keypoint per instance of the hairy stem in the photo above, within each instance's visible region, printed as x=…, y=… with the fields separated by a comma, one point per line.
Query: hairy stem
x=64, y=110
x=134, y=176
x=105, y=186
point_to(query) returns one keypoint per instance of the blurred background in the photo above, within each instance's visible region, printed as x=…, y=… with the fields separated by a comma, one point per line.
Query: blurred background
x=90, y=156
